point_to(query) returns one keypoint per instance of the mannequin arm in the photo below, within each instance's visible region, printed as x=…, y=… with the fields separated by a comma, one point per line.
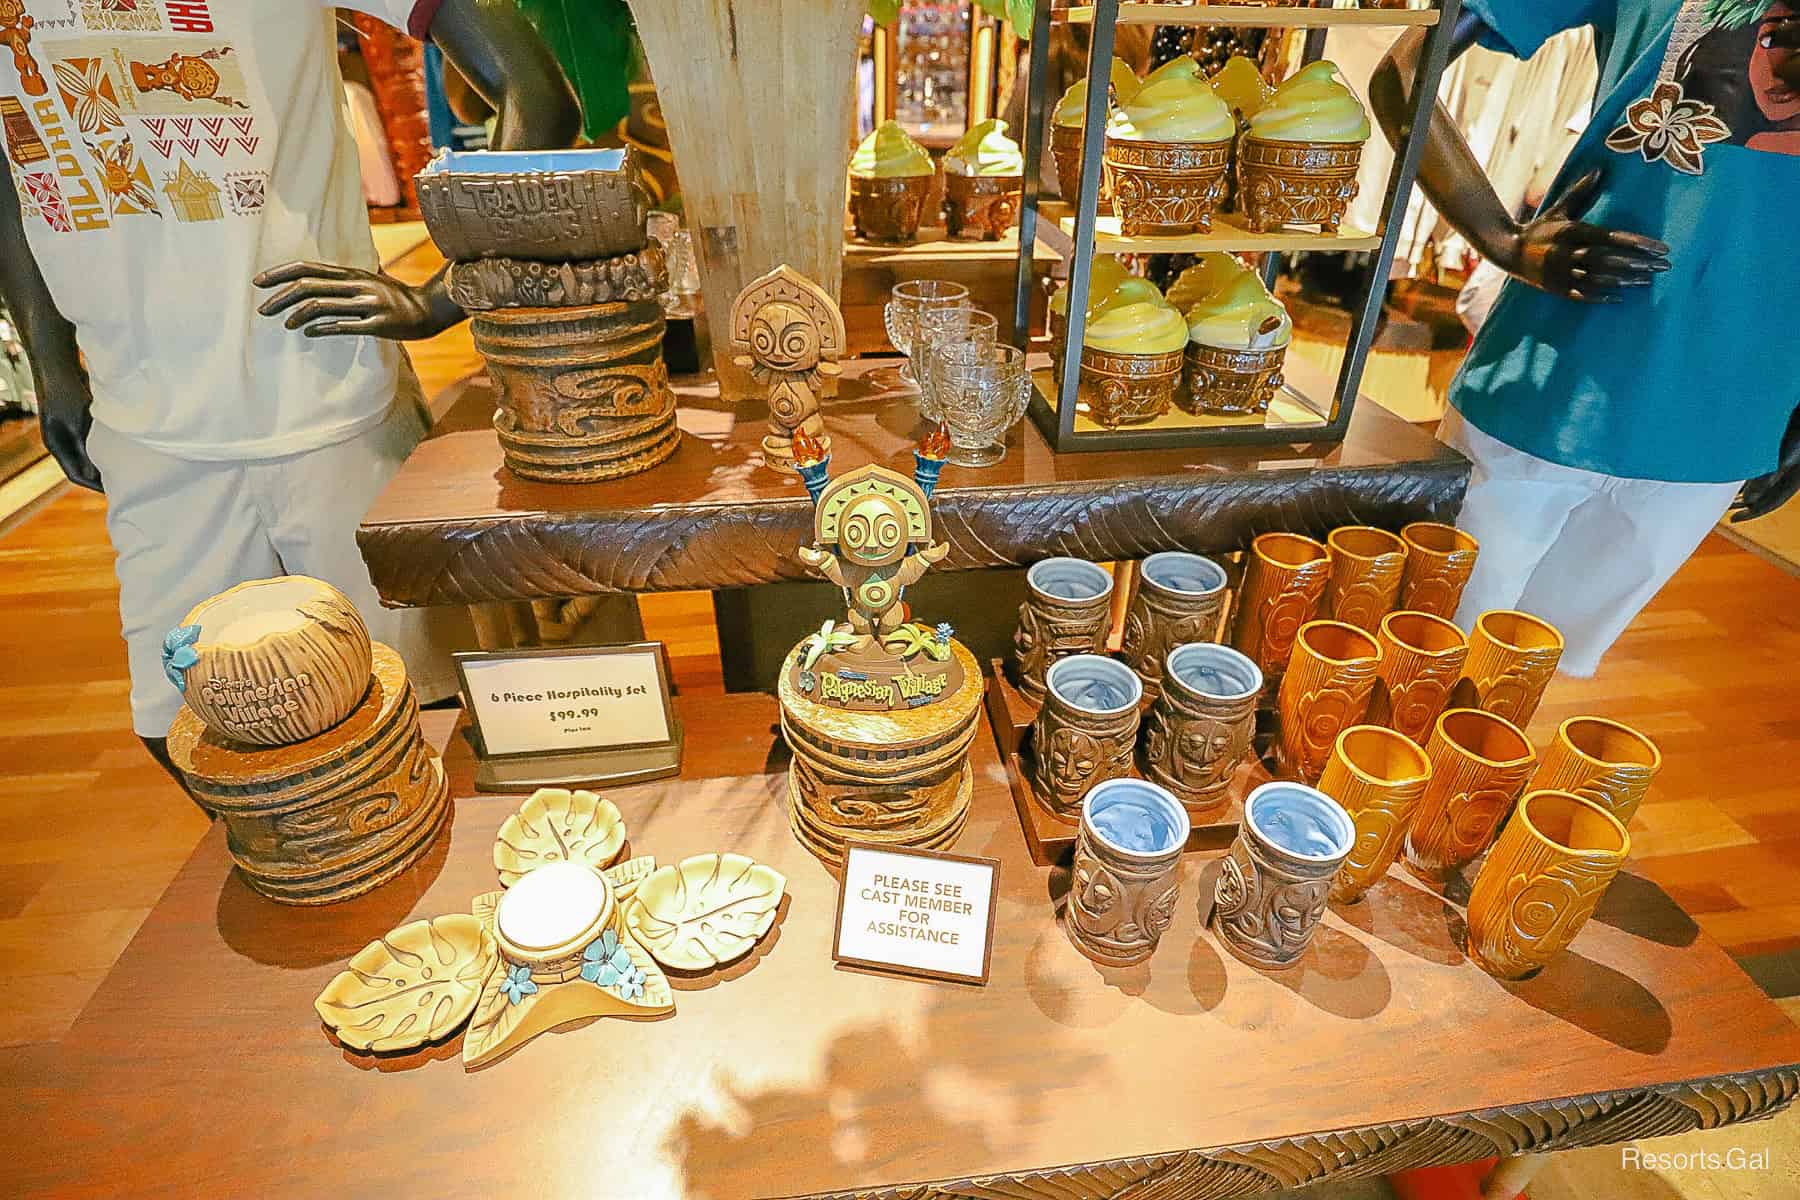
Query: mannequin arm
x=56, y=370
x=495, y=48
x=1556, y=250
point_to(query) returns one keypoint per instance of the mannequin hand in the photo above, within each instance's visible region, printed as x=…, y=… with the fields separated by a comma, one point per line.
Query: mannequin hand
x=331, y=301
x=64, y=418
x=1766, y=493
x=1565, y=256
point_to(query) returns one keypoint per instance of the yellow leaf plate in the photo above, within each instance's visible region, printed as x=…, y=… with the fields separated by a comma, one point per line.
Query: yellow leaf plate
x=554, y=825
x=705, y=911
x=414, y=985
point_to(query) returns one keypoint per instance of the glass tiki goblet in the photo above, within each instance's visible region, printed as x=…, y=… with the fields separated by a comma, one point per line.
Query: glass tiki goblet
x=907, y=301
x=980, y=392
x=939, y=329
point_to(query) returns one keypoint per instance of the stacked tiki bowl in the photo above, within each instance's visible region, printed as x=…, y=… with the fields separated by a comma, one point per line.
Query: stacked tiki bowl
x=303, y=737
x=551, y=257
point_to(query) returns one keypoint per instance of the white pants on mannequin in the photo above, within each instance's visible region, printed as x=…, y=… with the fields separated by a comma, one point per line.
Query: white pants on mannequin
x=1584, y=551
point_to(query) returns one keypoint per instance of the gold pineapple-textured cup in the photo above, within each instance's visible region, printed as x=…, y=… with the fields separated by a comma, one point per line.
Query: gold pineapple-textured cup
x=1295, y=183
x=1378, y=777
x=1602, y=761
x=1065, y=148
x=1284, y=584
x=1479, y=765
x=1324, y=691
x=888, y=208
x=1162, y=188
x=1439, y=559
x=1545, y=876
x=1128, y=389
x=1512, y=656
x=1366, y=568
x=1421, y=659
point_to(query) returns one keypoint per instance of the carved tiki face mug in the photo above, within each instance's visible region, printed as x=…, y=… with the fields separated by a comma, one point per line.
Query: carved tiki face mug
x=1275, y=882
x=1201, y=726
x=1067, y=603
x=1547, y=872
x=1127, y=871
x=1178, y=600
x=1086, y=730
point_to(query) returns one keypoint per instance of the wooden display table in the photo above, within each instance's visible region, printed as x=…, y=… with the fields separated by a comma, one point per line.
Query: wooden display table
x=455, y=527
x=199, y=1066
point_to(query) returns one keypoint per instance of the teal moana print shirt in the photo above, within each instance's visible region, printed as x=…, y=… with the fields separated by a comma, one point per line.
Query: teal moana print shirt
x=1691, y=379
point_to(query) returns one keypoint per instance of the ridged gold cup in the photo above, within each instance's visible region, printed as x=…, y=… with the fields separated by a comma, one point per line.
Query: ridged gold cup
x=1378, y=777
x=1422, y=657
x=1366, y=568
x=1439, y=559
x=1284, y=584
x=1600, y=760
x=1324, y=691
x=1479, y=765
x=1545, y=876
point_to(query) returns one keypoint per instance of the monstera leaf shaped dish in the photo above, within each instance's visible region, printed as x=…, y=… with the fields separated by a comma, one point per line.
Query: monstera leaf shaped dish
x=413, y=986
x=557, y=825
x=574, y=935
x=705, y=912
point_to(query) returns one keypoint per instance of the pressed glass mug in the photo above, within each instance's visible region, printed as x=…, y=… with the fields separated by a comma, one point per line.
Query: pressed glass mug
x=907, y=301
x=980, y=392
x=940, y=329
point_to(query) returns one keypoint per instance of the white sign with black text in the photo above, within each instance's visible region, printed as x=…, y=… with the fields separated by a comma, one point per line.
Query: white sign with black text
x=537, y=702
x=917, y=912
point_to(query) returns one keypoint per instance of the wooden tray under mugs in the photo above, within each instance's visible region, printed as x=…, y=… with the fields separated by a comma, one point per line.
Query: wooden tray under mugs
x=1051, y=839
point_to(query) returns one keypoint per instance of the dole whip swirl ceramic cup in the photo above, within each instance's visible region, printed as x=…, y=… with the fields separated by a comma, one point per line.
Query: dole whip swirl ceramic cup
x=1298, y=158
x=1214, y=270
x=1131, y=357
x=1067, y=124
x=984, y=173
x=1238, y=337
x=890, y=175
x=1168, y=148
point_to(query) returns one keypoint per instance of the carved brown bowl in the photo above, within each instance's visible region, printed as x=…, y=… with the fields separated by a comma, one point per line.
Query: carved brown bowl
x=888, y=209
x=1295, y=183
x=1220, y=381
x=981, y=208
x=1065, y=148
x=554, y=206
x=1128, y=389
x=1162, y=188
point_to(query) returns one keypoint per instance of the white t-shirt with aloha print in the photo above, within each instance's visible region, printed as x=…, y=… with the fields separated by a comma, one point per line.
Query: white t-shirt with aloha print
x=166, y=151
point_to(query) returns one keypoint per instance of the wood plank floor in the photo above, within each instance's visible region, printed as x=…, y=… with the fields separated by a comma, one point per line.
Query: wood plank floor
x=91, y=832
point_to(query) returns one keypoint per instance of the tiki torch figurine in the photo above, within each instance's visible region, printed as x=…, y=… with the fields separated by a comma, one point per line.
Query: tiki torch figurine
x=873, y=529
x=789, y=334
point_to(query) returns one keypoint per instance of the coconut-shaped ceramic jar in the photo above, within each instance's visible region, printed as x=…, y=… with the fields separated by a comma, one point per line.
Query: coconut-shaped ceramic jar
x=271, y=662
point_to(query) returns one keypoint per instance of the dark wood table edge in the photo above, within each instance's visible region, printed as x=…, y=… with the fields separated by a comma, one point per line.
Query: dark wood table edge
x=654, y=548
x=1537, y=1127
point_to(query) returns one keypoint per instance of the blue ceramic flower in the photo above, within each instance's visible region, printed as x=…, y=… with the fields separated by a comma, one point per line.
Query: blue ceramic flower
x=945, y=631
x=178, y=654
x=605, y=961
x=518, y=983
x=808, y=681
x=631, y=982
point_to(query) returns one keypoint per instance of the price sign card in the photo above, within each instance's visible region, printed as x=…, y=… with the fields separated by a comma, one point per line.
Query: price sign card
x=537, y=702
x=917, y=912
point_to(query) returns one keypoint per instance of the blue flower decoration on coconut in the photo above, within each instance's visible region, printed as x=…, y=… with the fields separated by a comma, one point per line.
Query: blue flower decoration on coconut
x=945, y=631
x=518, y=983
x=631, y=982
x=178, y=654
x=605, y=962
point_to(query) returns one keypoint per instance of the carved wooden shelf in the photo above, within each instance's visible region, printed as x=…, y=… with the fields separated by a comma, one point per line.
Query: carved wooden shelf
x=1226, y=234
x=1253, y=15
x=455, y=527
x=199, y=1056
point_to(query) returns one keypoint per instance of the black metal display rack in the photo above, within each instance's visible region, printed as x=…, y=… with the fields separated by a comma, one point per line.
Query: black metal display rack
x=1053, y=403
